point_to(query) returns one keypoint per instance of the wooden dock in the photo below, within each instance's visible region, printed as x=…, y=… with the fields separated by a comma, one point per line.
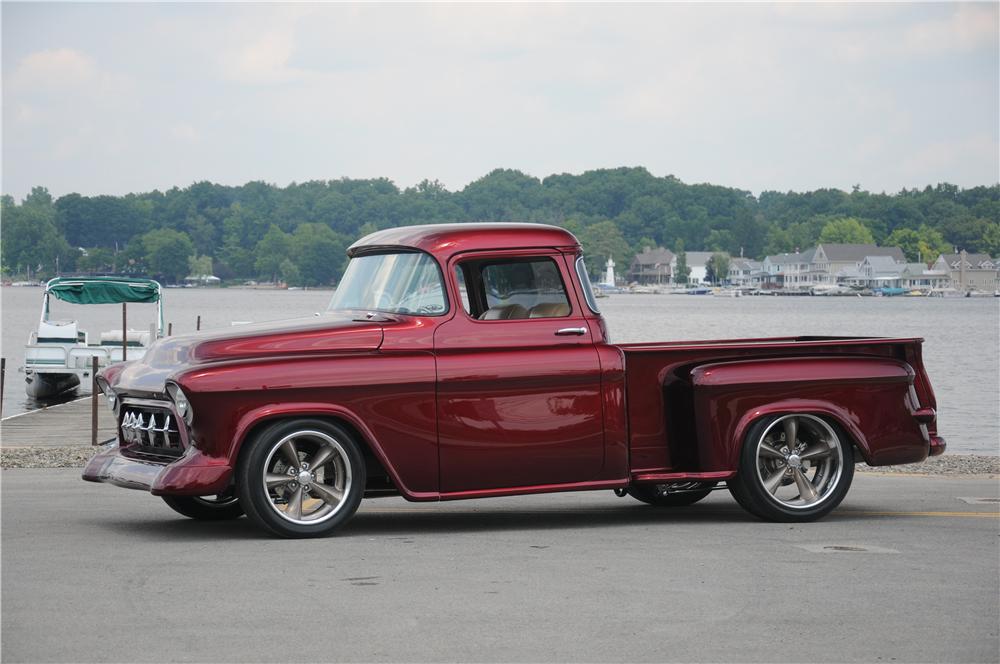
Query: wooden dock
x=62, y=425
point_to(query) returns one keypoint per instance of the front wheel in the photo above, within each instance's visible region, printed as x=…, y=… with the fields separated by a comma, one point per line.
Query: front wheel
x=674, y=494
x=222, y=507
x=794, y=467
x=301, y=478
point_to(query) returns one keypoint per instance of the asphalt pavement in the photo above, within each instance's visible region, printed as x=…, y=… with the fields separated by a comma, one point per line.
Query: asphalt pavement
x=906, y=570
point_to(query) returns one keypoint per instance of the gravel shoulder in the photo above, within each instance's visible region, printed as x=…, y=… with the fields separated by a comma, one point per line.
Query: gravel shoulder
x=950, y=465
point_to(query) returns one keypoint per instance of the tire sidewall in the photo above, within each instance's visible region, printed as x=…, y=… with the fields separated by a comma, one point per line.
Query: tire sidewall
x=753, y=497
x=253, y=496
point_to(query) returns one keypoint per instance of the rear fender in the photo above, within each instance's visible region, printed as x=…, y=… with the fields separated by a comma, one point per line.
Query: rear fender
x=869, y=398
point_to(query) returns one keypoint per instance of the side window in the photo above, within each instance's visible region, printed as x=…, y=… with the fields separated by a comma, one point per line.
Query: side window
x=588, y=289
x=515, y=288
x=463, y=290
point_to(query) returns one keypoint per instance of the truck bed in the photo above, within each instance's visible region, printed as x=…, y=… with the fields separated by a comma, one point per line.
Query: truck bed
x=661, y=394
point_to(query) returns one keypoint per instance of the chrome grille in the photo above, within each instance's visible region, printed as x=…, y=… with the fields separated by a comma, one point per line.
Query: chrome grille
x=150, y=431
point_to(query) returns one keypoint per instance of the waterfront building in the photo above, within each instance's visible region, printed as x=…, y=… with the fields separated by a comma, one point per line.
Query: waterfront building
x=787, y=270
x=970, y=271
x=885, y=272
x=841, y=263
x=652, y=266
x=697, y=261
x=745, y=273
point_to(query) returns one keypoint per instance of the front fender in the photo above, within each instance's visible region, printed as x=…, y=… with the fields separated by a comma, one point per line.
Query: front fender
x=870, y=398
x=278, y=411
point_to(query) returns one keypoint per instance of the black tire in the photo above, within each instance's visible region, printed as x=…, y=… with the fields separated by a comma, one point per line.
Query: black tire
x=206, y=508
x=301, y=500
x=658, y=495
x=771, y=484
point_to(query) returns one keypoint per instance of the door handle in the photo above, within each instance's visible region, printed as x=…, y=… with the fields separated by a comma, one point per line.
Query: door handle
x=566, y=331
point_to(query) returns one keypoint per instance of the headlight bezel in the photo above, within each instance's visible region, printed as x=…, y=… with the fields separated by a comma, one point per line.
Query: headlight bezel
x=181, y=402
x=109, y=394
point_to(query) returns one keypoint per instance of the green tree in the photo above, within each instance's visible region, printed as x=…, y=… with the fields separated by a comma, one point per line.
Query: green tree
x=717, y=268
x=96, y=260
x=199, y=265
x=290, y=273
x=602, y=240
x=271, y=252
x=681, y=270
x=167, y=253
x=924, y=244
x=991, y=239
x=319, y=254
x=30, y=240
x=846, y=230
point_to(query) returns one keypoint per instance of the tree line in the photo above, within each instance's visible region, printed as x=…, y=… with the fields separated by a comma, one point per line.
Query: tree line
x=298, y=233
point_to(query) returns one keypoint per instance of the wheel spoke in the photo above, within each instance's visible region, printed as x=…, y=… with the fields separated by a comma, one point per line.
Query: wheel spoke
x=328, y=494
x=774, y=481
x=322, y=456
x=275, y=479
x=807, y=492
x=767, y=451
x=820, y=451
x=294, y=508
x=791, y=425
x=291, y=454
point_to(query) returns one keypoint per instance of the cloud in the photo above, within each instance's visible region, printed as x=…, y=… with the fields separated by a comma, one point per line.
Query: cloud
x=185, y=132
x=54, y=70
x=967, y=28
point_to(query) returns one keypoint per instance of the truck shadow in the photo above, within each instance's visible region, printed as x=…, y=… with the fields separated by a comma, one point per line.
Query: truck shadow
x=431, y=520
x=411, y=520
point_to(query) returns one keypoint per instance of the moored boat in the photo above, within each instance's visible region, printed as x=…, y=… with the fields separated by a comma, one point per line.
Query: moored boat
x=59, y=353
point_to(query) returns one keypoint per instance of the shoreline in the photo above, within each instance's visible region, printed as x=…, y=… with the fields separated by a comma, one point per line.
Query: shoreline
x=954, y=465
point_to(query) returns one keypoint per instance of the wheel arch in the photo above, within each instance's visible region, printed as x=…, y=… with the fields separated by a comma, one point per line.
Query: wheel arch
x=255, y=421
x=829, y=411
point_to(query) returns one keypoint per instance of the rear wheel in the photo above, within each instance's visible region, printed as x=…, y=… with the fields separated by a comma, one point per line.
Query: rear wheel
x=794, y=467
x=206, y=508
x=301, y=478
x=673, y=494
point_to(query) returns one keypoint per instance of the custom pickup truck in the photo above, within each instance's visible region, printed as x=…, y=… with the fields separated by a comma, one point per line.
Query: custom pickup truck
x=471, y=360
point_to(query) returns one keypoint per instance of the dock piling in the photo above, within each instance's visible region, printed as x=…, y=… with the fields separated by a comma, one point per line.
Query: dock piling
x=198, y=324
x=93, y=401
x=124, y=334
x=3, y=372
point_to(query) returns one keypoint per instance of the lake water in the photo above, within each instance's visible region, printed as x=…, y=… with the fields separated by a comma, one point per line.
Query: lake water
x=960, y=351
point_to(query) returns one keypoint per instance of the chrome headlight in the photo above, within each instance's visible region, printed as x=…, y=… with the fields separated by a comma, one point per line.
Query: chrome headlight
x=181, y=402
x=108, y=393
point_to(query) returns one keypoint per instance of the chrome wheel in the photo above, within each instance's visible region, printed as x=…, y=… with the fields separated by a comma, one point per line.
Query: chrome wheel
x=793, y=467
x=799, y=461
x=306, y=477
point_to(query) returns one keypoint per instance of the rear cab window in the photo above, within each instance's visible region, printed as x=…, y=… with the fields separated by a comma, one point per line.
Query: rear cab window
x=512, y=288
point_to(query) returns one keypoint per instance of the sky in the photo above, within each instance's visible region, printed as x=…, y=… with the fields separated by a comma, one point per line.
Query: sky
x=130, y=97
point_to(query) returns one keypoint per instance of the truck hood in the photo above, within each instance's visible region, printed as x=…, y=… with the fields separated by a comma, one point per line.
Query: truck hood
x=316, y=335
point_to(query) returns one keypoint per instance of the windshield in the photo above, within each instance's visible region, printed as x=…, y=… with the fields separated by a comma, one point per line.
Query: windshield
x=401, y=283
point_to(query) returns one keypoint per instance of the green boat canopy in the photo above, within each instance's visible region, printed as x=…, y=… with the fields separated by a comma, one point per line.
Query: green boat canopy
x=103, y=290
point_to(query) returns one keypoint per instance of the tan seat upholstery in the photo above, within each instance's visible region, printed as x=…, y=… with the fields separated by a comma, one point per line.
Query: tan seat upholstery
x=505, y=312
x=549, y=310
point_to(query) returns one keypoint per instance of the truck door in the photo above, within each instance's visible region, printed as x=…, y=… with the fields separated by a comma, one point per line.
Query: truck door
x=519, y=381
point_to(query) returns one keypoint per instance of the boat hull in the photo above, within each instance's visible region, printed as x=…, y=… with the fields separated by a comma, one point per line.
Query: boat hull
x=47, y=385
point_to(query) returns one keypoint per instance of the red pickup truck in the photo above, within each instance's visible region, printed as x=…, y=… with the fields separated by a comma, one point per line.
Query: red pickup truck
x=471, y=360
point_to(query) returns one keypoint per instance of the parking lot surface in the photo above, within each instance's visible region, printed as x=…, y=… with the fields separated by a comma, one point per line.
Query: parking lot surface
x=906, y=569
